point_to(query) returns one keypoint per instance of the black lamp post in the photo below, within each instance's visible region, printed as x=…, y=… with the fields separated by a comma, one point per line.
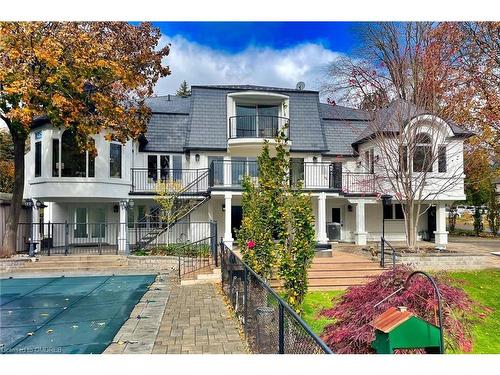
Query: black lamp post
x=386, y=202
x=29, y=204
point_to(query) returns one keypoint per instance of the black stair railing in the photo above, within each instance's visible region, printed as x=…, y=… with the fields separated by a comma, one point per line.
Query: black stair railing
x=185, y=205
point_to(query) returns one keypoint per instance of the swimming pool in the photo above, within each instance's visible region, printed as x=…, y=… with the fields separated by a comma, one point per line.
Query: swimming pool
x=66, y=314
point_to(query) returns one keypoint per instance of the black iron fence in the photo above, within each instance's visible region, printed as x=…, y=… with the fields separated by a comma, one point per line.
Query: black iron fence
x=71, y=238
x=257, y=126
x=197, y=255
x=189, y=181
x=175, y=235
x=271, y=325
x=111, y=238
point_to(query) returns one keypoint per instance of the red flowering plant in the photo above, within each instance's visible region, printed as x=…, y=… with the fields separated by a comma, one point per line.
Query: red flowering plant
x=251, y=244
x=351, y=332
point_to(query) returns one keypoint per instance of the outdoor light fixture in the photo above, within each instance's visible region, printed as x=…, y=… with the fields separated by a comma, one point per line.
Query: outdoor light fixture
x=38, y=204
x=315, y=159
x=197, y=157
x=223, y=207
x=28, y=203
x=127, y=204
x=386, y=199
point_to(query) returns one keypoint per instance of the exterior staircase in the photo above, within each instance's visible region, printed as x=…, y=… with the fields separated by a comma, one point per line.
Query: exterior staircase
x=75, y=264
x=341, y=271
x=186, y=203
x=204, y=275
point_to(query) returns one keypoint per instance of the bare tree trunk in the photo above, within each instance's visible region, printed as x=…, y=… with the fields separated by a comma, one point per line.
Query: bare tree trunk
x=9, y=237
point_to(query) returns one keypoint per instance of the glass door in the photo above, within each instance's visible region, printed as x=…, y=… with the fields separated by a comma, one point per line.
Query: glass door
x=296, y=170
x=80, y=222
x=97, y=219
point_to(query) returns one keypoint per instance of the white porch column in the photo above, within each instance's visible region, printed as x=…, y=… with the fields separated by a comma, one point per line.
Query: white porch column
x=440, y=234
x=210, y=209
x=322, y=237
x=122, y=229
x=228, y=236
x=360, y=233
x=35, y=219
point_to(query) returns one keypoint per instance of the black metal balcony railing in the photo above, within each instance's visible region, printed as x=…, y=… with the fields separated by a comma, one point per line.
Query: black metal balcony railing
x=257, y=126
x=193, y=181
x=312, y=176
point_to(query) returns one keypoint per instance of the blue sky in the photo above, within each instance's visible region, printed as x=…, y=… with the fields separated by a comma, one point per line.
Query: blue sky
x=236, y=36
x=263, y=53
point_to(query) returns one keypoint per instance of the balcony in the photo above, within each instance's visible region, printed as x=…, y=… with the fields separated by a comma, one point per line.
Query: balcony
x=229, y=175
x=190, y=181
x=247, y=133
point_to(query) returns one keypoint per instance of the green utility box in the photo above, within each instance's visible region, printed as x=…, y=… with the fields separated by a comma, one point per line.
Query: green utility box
x=398, y=328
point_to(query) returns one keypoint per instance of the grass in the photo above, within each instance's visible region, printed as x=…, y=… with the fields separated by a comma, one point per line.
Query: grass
x=481, y=286
x=312, y=306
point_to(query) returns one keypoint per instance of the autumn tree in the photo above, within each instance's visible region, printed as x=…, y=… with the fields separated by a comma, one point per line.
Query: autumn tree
x=6, y=162
x=91, y=77
x=184, y=90
x=447, y=69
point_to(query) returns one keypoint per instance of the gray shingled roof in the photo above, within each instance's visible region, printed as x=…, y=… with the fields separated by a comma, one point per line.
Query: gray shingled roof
x=389, y=118
x=166, y=132
x=251, y=87
x=208, y=119
x=169, y=104
x=199, y=121
x=338, y=112
x=340, y=134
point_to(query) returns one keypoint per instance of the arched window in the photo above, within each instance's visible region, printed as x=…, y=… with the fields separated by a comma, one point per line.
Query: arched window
x=73, y=160
x=422, y=154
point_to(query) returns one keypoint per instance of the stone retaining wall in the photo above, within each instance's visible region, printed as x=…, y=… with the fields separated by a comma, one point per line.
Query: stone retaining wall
x=156, y=263
x=442, y=262
x=13, y=264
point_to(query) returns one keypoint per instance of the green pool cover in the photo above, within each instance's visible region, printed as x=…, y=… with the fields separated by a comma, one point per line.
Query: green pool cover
x=66, y=314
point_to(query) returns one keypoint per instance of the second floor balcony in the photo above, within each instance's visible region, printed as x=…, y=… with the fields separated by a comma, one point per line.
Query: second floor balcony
x=229, y=175
x=257, y=126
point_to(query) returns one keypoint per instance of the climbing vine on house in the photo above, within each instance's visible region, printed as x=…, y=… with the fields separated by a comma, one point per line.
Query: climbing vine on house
x=276, y=236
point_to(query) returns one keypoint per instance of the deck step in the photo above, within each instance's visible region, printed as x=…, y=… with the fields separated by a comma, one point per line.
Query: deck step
x=326, y=274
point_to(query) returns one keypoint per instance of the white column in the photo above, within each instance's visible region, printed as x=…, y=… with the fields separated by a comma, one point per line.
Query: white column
x=322, y=237
x=360, y=233
x=122, y=229
x=440, y=234
x=35, y=219
x=228, y=236
x=226, y=170
x=210, y=209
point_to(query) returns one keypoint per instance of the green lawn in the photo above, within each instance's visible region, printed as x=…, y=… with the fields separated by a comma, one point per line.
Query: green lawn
x=312, y=306
x=482, y=286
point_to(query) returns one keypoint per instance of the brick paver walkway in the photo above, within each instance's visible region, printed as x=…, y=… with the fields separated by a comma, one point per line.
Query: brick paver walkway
x=196, y=321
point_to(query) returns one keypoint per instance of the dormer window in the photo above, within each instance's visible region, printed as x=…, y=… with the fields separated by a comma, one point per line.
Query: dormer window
x=256, y=121
x=422, y=155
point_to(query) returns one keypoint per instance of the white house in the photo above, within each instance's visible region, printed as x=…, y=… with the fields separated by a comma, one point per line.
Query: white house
x=209, y=141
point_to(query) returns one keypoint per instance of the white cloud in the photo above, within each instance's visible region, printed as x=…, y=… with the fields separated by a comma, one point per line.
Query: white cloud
x=199, y=64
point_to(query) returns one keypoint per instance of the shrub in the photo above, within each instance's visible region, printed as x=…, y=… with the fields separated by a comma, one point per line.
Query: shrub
x=175, y=249
x=351, y=332
x=276, y=237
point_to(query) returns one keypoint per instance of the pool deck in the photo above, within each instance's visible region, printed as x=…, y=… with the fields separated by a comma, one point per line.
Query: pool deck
x=179, y=319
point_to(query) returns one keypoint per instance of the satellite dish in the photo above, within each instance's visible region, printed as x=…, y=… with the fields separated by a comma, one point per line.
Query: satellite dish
x=300, y=85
